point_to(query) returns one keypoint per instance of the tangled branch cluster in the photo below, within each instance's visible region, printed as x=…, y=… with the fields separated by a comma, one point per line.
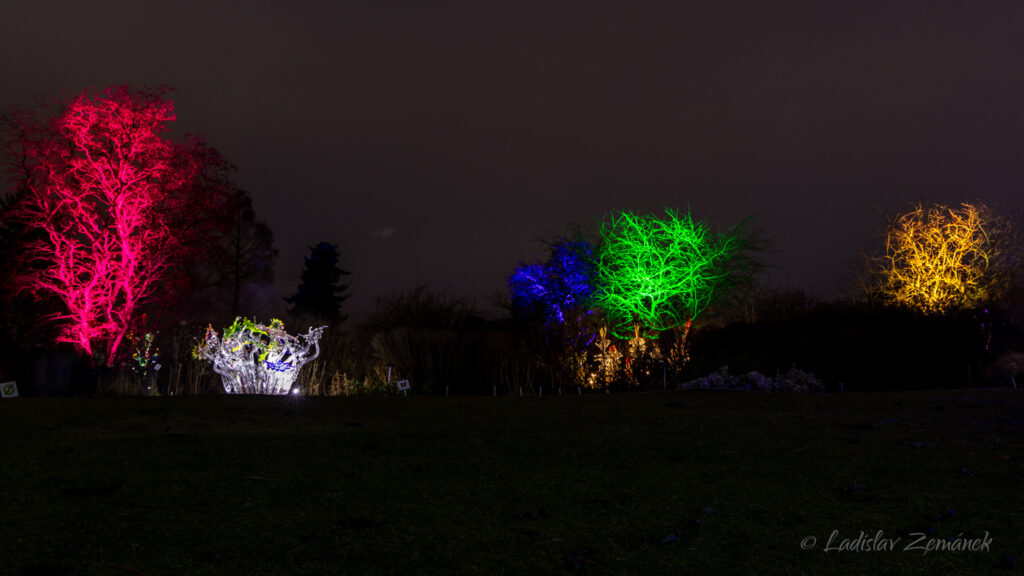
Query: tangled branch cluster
x=939, y=258
x=659, y=272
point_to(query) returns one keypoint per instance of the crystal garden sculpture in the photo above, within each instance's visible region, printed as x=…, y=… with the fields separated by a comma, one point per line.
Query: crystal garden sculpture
x=254, y=358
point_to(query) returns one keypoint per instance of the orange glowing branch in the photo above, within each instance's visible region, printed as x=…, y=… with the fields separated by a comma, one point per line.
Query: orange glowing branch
x=939, y=258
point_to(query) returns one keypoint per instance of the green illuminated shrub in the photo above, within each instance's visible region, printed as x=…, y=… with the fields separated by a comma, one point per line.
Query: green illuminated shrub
x=660, y=272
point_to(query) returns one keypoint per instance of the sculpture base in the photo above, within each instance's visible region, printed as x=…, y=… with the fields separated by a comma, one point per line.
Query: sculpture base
x=274, y=383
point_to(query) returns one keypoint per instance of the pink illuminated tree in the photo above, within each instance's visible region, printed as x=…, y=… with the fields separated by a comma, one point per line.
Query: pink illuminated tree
x=104, y=202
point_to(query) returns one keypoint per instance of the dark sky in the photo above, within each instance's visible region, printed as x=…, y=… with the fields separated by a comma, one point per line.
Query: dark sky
x=436, y=141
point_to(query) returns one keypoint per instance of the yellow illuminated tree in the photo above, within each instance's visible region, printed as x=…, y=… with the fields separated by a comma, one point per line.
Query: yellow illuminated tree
x=939, y=259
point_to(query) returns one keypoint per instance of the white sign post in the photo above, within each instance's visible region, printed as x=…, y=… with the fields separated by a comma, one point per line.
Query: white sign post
x=403, y=386
x=9, y=389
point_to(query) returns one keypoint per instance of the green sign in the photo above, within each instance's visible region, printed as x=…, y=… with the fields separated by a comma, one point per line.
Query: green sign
x=9, y=389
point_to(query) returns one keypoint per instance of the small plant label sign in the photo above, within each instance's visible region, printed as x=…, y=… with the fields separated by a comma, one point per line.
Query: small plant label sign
x=9, y=389
x=403, y=385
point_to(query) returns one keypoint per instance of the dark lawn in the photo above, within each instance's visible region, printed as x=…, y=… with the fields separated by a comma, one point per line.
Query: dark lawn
x=658, y=483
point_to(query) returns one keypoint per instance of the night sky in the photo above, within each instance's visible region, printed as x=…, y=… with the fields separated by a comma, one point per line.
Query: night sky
x=437, y=141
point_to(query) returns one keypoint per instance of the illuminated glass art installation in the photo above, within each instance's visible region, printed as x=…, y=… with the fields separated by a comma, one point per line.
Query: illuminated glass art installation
x=254, y=358
x=659, y=272
x=939, y=258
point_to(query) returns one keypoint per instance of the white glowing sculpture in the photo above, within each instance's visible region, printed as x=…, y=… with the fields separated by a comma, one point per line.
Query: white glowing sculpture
x=257, y=359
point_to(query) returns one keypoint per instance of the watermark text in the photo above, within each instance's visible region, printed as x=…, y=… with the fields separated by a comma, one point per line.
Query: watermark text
x=914, y=542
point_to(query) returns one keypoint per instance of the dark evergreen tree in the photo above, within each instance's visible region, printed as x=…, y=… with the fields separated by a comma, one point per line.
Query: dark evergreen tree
x=320, y=291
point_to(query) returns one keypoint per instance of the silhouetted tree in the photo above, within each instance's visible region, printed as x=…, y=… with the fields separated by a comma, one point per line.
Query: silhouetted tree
x=239, y=254
x=321, y=293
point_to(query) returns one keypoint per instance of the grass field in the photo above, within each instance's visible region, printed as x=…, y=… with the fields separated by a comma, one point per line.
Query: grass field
x=657, y=483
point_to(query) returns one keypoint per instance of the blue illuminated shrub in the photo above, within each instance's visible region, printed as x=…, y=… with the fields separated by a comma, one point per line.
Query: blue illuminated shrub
x=564, y=283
